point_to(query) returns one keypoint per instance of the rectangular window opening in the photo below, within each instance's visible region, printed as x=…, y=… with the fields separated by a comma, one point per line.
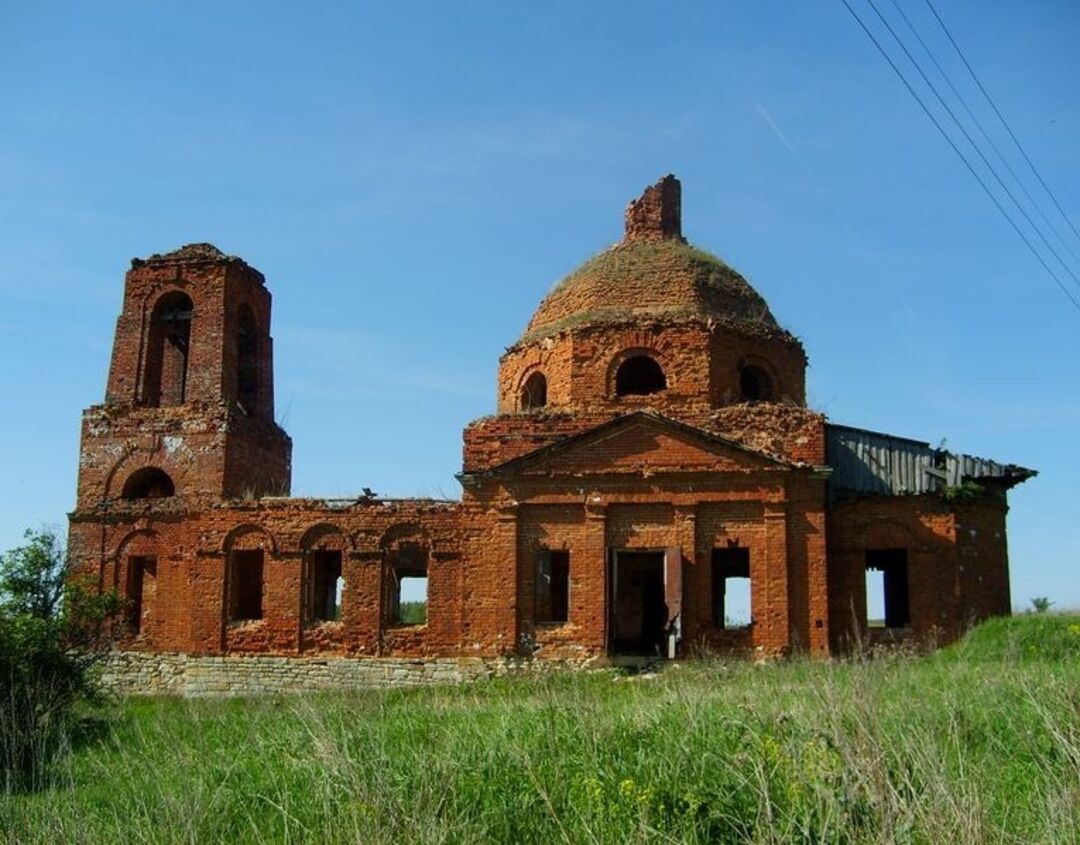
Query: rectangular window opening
x=552, y=605
x=325, y=585
x=246, y=589
x=409, y=586
x=731, y=588
x=887, y=596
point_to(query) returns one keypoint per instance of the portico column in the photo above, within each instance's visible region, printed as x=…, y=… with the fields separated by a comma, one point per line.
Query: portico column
x=589, y=597
x=773, y=618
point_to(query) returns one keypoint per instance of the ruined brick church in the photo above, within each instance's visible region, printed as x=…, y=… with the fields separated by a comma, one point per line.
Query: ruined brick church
x=651, y=457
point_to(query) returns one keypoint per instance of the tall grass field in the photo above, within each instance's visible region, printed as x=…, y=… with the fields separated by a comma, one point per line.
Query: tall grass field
x=978, y=743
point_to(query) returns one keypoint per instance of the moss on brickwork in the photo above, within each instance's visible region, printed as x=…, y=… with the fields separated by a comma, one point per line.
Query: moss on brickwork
x=665, y=280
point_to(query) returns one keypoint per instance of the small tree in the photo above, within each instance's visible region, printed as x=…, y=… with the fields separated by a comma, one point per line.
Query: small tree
x=1041, y=604
x=50, y=634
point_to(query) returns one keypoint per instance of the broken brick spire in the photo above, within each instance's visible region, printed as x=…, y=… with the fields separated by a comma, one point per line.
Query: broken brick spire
x=657, y=214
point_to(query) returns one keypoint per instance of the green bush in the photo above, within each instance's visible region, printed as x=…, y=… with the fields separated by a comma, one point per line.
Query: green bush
x=49, y=637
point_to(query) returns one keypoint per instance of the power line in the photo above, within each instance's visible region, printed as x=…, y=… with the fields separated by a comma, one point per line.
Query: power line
x=1004, y=122
x=970, y=140
x=963, y=158
x=982, y=131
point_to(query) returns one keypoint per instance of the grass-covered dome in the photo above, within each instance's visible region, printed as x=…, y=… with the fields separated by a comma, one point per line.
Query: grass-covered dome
x=656, y=280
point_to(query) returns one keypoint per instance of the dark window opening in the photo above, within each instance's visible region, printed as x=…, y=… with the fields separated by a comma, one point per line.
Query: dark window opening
x=534, y=392
x=246, y=586
x=142, y=572
x=325, y=586
x=754, y=384
x=887, y=599
x=247, y=366
x=731, y=587
x=166, y=367
x=552, y=587
x=408, y=586
x=148, y=483
x=639, y=376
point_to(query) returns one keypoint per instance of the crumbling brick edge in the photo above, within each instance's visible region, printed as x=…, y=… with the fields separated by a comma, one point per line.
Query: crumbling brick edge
x=127, y=673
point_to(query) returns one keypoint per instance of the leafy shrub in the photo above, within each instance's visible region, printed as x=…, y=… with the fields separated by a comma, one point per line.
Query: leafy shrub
x=50, y=634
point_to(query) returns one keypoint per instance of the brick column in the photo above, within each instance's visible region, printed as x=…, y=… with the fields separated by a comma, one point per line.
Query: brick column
x=362, y=605
x=503, y=595
x=281, y=599
x=589, y=580
x=686, y=540
x=770, y=588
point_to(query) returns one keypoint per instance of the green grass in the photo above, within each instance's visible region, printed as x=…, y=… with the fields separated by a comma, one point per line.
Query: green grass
x=979, y=743
x=413, y=612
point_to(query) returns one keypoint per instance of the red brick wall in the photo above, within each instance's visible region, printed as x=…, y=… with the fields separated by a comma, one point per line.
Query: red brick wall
x=193, y=553
x=701, y=363
x=957, y=562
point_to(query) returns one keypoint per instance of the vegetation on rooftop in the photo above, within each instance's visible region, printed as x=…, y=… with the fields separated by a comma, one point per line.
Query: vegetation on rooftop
x=720, y=291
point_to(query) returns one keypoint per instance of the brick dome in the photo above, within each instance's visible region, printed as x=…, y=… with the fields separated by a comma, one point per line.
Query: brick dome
x=653, y=274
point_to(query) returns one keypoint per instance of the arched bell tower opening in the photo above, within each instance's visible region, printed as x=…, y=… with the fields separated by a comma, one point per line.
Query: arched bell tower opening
x=165, y=373
x=247, y=365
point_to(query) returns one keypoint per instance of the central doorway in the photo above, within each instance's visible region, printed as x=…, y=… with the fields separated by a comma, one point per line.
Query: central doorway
x=638, y=608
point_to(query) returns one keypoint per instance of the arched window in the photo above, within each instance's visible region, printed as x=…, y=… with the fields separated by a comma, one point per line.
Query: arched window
x=247, y=360
x=324, y=548
x=405, y=571
x=639, y=376
x=165, y=373
x=754, y=384
x=534, y=392
x=148, y=483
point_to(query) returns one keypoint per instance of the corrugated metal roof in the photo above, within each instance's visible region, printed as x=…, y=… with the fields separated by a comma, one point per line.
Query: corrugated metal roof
x=871, y=463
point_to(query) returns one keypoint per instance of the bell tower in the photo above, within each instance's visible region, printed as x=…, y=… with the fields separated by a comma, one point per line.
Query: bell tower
x=189, y=404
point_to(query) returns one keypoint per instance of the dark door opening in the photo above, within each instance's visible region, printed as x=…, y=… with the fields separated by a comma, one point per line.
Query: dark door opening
x=638, y=609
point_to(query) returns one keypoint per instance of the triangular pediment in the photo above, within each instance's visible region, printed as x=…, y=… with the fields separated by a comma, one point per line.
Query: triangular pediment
x=641, y=443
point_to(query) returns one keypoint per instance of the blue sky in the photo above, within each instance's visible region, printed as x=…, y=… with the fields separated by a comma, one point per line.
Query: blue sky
x=413, y=177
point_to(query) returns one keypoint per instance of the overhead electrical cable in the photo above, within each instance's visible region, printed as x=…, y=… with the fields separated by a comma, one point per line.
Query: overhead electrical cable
x=976, y=147
x=982, y=131
x=1038, y=257
x=1004, y=122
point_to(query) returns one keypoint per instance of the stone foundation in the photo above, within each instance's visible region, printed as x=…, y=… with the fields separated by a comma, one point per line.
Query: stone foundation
x=146, y=673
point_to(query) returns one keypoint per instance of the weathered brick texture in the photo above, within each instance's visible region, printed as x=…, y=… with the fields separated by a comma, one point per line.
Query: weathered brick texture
x=653, y=412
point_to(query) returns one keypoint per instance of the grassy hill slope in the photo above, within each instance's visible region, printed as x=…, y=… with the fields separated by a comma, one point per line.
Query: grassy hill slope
x=979, y=743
